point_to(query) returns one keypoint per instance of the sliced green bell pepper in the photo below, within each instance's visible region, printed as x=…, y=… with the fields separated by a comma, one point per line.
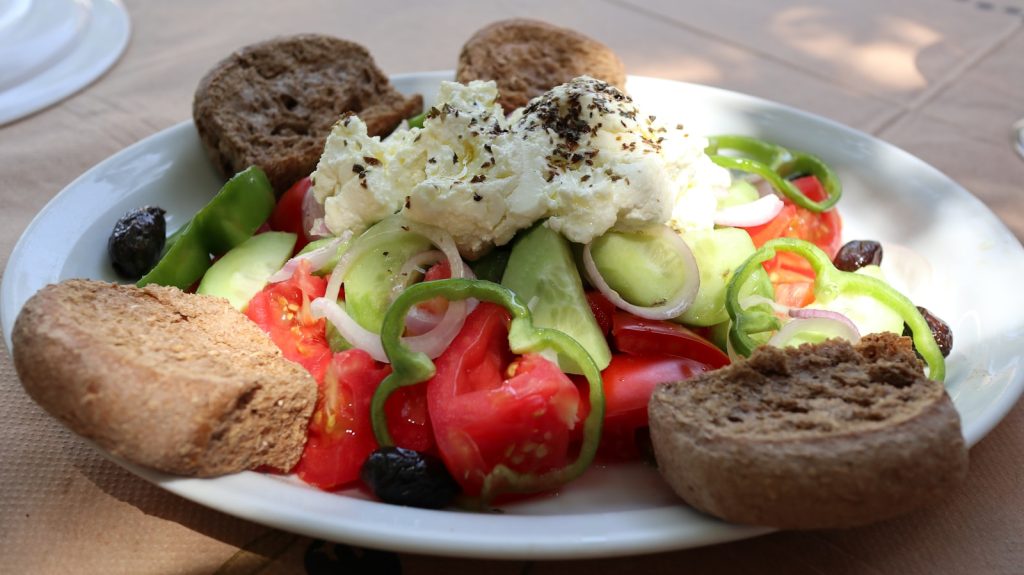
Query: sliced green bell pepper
x=775, y=163
x=411, y=368
x=829, y=282
x=230, y=218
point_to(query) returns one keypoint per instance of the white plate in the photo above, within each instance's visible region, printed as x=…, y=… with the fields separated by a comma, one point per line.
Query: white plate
x=55, y=48
x=890, y=195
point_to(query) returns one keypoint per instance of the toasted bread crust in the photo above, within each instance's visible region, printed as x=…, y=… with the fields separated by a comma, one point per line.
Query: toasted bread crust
x=823, y=436
x=272, y=104
x=527, y=58
x=178, y=382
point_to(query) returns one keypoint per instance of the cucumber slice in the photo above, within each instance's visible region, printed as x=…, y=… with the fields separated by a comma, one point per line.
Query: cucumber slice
x=719, y=252
x=369, y=284
x=866, y=312
x=643, y=268
x=543, y=274
x=739, y=193
x=244, y=270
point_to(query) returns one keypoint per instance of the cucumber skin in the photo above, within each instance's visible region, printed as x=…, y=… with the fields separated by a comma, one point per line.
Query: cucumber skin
x=541, y=262
x=369, y=282
x=640, y=267
x=719, y=252
x=242, y=272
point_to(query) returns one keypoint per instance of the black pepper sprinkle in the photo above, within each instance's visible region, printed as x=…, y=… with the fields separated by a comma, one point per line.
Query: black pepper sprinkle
x=371, y=160
x=417, y=138
x=405, y=228
x=358, y=169
x=408, y=202
x=431, y=161
x=455, y=158
x=477, y=179
x=585, y=178
x=385, y=254
x=477, y=197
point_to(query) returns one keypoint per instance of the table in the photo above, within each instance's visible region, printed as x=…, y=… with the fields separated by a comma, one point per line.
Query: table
x=943, y=79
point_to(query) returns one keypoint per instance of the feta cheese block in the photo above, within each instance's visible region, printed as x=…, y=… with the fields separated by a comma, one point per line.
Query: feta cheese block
x=581, y=156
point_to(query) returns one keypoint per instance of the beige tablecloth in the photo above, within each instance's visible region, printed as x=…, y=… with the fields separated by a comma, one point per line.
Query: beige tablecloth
x=943, y=79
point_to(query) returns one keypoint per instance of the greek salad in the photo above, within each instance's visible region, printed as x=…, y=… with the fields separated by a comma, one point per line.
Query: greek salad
x=487, y=302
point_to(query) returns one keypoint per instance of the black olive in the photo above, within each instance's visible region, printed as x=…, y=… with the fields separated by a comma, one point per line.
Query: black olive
x=940, y=331
x=407, y=477
x=857, y=254
x=137, y=241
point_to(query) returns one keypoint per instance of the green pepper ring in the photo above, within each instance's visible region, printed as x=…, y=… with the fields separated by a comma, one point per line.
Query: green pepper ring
x=829, y=282
x=410, y=368
x=775, y=163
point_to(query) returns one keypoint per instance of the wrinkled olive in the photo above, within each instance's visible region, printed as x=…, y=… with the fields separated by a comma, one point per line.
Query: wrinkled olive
x=940, y=331
x=137, y=241
x=407, y=477
x=857, y=254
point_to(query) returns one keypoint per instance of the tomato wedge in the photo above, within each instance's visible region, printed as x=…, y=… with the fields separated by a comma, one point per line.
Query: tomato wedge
x=340, y=433
x=282, y=310
x=287, y=214
x=628, y=383
x=638, y=336
x=490, y=408
x=791, y=275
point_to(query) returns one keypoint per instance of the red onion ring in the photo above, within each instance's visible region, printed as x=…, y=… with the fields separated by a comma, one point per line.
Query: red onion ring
x=313, y=211
x=755, y=213
x=676, y=304
x=418, y=263
x=829, y=323
x=435, y=340
x=317, y=259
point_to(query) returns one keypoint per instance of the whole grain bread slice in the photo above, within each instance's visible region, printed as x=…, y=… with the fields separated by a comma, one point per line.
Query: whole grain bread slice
x=528, y=57
x=272, y=104
x=820, y=436
x=178, y=382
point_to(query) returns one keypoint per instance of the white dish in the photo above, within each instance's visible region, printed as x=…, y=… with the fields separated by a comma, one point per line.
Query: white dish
x=55, y=48
x=889, y=195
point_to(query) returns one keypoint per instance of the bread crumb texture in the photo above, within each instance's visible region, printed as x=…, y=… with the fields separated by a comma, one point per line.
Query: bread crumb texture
x=814, y=389
x=820, y=436
x=179, y=382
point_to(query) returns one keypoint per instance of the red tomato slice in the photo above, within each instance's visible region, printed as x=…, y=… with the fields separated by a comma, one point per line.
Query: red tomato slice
x=287, y=214
x=822, y=229
x=488, y=408
x=638, y=336
x=282, y=310
x=340, y=432
x=628, y=383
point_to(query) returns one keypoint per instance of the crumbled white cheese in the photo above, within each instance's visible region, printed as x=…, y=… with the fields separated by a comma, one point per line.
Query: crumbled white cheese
x=580, y=155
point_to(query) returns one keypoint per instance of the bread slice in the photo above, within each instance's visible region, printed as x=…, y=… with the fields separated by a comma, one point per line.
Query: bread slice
x=272, y=104
x=820, y=436
x=527, y=58
x=178, y=382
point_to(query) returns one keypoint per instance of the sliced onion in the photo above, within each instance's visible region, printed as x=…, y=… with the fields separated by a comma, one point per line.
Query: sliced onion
x=349, y=328
x=823, y=322
x=313, y=216
x=319, y=230
x=418, y=263
x=676, y=304
x=434, y=342
x=755, y=213
x=317, y=259
x=440, y=335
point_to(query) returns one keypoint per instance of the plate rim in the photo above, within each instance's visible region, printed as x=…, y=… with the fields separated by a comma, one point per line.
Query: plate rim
x=440, y=542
